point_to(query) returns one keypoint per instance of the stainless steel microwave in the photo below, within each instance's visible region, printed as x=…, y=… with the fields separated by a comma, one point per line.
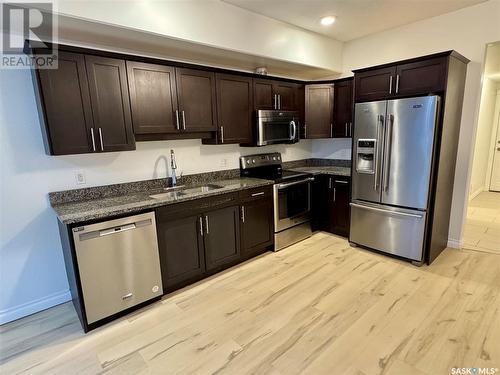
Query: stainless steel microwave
x=277, y=126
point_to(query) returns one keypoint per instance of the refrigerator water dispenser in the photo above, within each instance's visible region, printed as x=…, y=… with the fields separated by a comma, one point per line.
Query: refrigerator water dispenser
x=365, y=156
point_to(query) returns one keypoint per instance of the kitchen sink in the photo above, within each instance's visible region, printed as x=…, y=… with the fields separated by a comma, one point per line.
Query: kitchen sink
x=202, y=189
x=168, y=195
x=181, y=191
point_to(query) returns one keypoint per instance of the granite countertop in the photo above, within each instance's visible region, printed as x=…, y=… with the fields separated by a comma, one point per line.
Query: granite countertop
x=328, y=170
x=92, y=208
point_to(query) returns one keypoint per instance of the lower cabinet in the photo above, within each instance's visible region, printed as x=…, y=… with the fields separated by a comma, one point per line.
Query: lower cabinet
x=180, y=241
x=331, y=212
x=222, y=237
x=204, y=236
x=257, y=222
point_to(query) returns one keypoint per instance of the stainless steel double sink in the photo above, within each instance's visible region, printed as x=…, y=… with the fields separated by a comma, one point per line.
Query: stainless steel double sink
x=179, y=191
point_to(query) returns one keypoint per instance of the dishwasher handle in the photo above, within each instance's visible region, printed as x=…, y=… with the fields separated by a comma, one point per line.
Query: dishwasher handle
x=121, y=228
x=114, y=230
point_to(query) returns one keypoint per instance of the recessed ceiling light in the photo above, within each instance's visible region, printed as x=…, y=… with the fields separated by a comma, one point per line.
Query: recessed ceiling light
x=328, y=20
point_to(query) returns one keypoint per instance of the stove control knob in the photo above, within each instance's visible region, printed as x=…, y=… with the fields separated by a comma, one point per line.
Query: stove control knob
x=253, y=161
x=274, y=157
x=248, y=161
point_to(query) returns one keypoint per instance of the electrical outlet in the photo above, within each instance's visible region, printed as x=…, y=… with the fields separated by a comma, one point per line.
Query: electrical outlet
x=80, y=177
x=223, y=162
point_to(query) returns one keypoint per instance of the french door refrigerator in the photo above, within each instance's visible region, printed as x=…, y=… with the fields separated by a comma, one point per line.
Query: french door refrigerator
x=393, y=153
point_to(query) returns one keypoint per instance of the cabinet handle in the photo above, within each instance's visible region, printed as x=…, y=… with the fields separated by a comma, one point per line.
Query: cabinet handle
x=93, y=139
x=221, y=134
x=346, y=134
x=275, y=98
x=243, y=214
x=206, y=224
x=201, y=226
x=334, y=193
x=257, y=194
x=331, y=130
x=305, y=131
x=183, y=120
x=390, y=85
x=397, y=83
x=100, y=137
x=330, y=183
x=341, y=182
x=177, y=119
x=350, y=129
x=279, y=101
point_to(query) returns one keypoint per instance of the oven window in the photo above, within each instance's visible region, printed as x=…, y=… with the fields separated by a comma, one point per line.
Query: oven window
x=277, y=130
x=293, y=201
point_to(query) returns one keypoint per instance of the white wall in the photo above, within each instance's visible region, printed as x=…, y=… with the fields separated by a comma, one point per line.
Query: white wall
x=482, y=148
x=468, y=31
x=32, y=273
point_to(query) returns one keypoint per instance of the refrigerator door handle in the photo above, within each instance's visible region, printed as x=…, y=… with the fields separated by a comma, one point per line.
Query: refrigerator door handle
x=380, y=123
x=385, y=211
x=388, y=147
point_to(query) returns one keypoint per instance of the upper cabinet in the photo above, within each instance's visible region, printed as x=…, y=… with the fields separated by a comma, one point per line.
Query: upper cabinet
x=418, y=77
x=234, y=108
x=272, y=94
x=85, y=105
x=153, y=98
x=343, y=103
x=110, y=103
x=318, y=111
x=196, y=97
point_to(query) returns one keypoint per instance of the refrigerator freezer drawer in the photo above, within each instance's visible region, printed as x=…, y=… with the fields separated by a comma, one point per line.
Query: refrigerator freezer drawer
x=388, y=229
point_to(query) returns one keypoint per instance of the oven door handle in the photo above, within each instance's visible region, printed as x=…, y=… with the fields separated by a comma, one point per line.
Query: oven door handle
x=293, y=130
x=284, y=186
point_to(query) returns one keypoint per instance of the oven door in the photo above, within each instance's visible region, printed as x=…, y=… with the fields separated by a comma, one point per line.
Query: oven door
x=292, y=203
x=273, y=130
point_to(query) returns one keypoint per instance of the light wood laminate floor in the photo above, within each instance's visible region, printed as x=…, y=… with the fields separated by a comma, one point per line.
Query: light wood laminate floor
x=482, y=226
x=318, y=307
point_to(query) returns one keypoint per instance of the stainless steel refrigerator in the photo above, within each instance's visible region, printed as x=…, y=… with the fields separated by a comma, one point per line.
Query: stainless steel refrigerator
x=393, y=149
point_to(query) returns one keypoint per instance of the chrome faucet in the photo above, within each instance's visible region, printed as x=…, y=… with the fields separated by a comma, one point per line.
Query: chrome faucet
x=173, y=165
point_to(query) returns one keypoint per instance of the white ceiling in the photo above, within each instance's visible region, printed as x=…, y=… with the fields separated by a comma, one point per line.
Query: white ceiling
x=355, y=18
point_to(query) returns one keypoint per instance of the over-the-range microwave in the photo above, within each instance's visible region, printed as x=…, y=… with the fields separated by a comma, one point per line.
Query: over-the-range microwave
x=275, y=126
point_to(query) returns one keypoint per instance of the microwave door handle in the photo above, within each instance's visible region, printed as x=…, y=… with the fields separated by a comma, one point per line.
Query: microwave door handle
x=293, y=130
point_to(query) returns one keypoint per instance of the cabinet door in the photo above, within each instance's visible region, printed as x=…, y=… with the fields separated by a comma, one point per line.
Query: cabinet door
x=342, y=109
x=110, y=103
x=374, y=84
x=340, y=211
x=256, y=226
x=287, y=95
x=320, y=197
x=181, y=248
x=422, y=77
x=263, y=94
x=234, y=108
x=197, y=100
x=222, y=237
x=66, y=104
x=153, y=98
x=319, y=111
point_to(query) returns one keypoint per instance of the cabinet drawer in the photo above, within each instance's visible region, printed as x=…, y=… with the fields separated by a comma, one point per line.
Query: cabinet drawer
x=257, y=193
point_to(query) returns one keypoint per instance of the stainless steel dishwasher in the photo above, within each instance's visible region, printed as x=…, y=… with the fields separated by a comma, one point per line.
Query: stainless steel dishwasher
x=118, y=263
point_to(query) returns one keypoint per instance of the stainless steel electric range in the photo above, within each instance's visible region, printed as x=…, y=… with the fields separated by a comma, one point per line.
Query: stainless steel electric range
x=292, y=196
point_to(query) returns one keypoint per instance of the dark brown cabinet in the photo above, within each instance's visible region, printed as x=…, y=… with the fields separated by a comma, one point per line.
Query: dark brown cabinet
x=418, y=77
x=234, y=108
x=85, y=104
x=318, y=111
x=257, y=221
x=110, y=103
x=197, y=100
x=331, y=211
x=222, y=237
x=270, y=94
x=343, y=103
x=180, y=240
x=153, y=98
x=68, y=124
x=374, y=84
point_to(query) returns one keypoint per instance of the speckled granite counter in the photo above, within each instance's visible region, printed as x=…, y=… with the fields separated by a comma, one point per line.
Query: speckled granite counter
x=329, y=170
x=76, y=206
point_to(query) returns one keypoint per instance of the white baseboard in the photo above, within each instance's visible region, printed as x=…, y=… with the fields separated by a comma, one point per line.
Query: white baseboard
x=476, y=193
x=25, y=309
x=455, y=244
